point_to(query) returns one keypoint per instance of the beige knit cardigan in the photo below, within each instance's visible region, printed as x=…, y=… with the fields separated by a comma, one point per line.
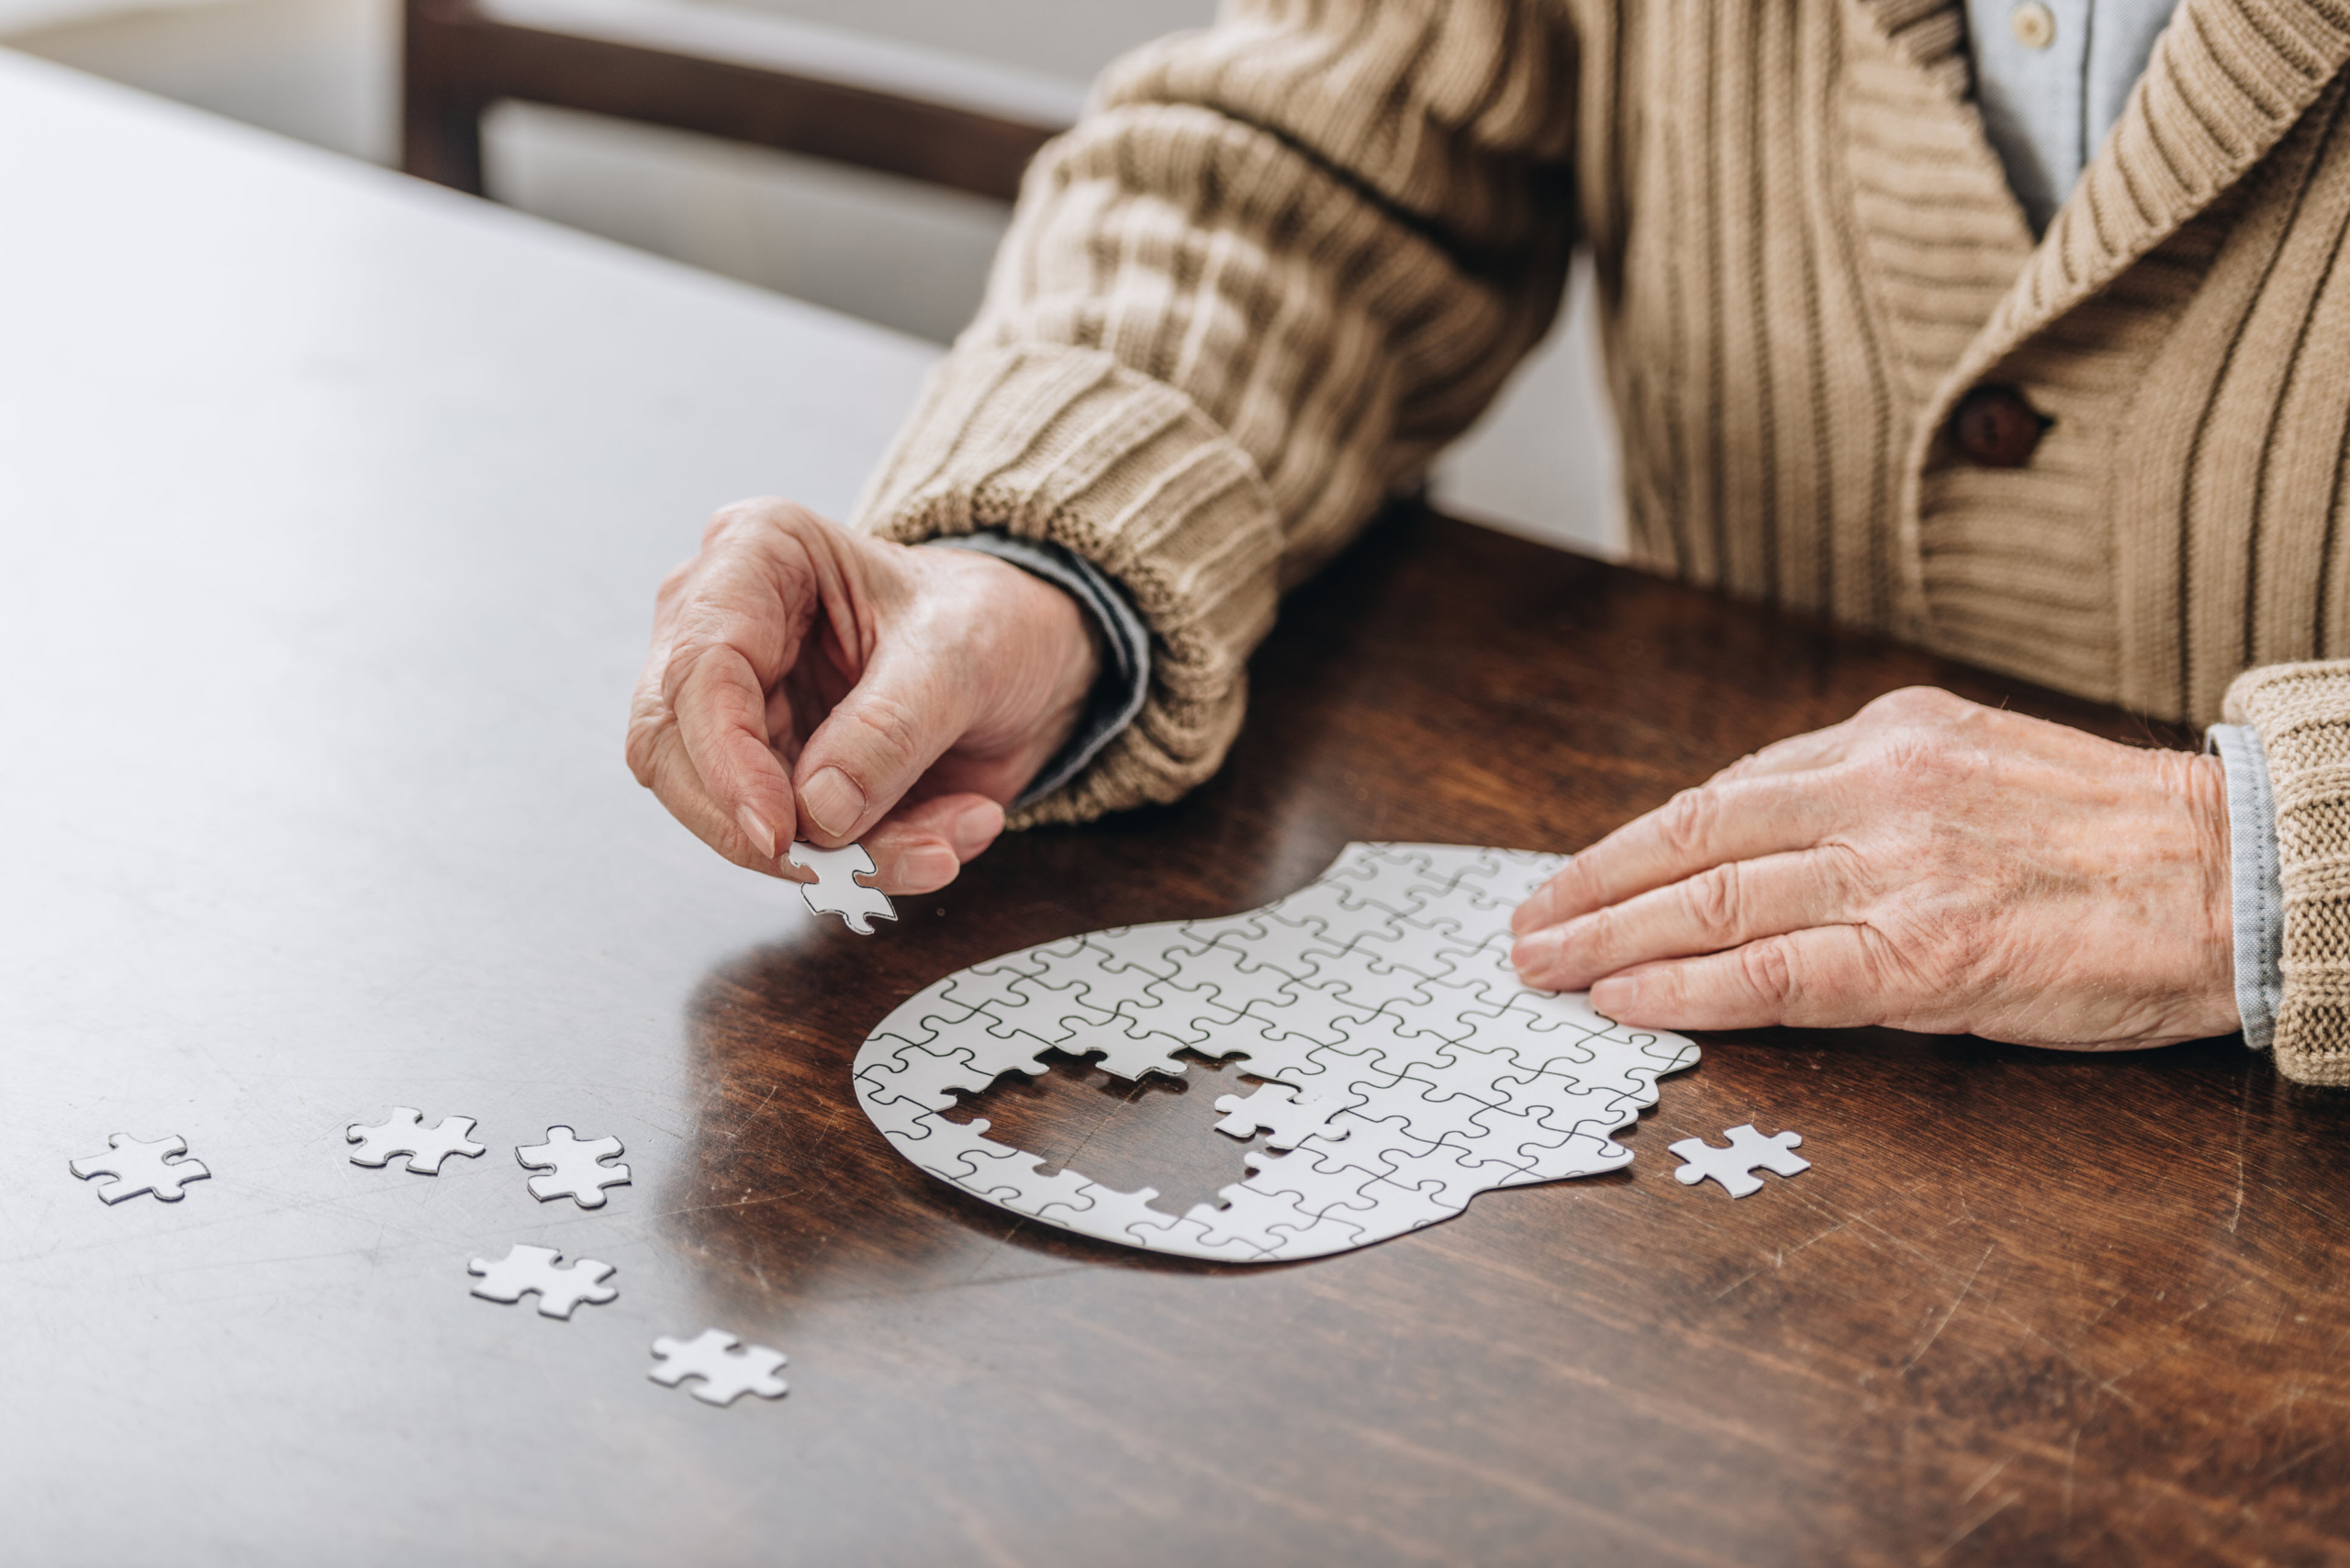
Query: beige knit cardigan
x=1283, y=261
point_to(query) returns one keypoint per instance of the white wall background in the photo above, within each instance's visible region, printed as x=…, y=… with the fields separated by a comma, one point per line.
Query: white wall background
x=1541, y=464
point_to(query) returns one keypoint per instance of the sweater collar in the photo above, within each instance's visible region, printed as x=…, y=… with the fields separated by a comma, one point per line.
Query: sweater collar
x=2227, y=80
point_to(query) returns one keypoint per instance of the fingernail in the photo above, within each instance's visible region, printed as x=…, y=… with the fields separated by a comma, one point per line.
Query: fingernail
x=1617, y=994
x=927, y=866
x=1528, y=951
x=761, y=835
x=834, y=803
x=974, y=828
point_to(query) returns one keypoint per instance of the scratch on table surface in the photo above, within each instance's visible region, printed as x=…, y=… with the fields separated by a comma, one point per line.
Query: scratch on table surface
x=1951, y=1310
x=1139, y=1443
x=1985, y=1479
x=1977, y=1523
x=1734, y=1285
x=2072, y=1453
x=2238, y=1215
x=773, y=1090
x=2303, y=1456
x=2088, y=1374
x=909, y=1292
x=1537, y=1493
x=976, y=1529
x=1779, y=1256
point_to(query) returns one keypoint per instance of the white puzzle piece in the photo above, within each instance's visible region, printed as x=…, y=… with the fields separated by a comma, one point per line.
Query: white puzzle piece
x=836, y=889
x=726, y=1373
x=1287, y=1117
x=406, y=1133
x=575, y=1167
x=141, y=1165
x=1734, y=1167
x=560, y=1287
x=1404, y=1069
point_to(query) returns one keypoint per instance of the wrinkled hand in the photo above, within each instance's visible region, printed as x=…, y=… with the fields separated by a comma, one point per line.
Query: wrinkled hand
x=808, y=681
x=1928, y=863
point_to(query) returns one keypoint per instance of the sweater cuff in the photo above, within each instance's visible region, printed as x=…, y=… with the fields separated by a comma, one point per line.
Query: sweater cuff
x=1125, y=682
x=1067, y=447
x=2259, y=895
x=2301, y=713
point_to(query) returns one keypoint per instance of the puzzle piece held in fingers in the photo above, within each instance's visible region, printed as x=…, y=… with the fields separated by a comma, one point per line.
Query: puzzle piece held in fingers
x=836, y=889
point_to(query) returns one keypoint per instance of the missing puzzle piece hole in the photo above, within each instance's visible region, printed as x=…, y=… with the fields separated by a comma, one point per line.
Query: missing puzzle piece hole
x=1157, y=1131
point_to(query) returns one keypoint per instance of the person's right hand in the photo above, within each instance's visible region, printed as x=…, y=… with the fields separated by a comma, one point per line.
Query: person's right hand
x=807, y=681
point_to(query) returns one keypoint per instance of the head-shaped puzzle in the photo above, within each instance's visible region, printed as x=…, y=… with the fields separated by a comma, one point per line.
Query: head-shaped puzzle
x=1405, y=1069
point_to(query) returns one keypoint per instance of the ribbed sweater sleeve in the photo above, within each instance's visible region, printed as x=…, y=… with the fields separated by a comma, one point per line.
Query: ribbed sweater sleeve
x=2302, y=712
x=1278, y=265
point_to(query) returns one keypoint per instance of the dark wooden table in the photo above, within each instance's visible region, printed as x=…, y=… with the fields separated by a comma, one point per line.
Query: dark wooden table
x=315, y=808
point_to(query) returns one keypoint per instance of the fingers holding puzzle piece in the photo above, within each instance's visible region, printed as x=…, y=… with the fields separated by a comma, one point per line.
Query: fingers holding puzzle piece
x=836, y=889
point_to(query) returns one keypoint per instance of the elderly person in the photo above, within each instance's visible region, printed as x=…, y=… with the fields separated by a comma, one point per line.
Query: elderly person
x=2018, y=331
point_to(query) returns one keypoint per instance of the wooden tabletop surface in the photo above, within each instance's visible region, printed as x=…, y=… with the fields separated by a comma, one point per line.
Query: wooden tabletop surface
x=328, y=522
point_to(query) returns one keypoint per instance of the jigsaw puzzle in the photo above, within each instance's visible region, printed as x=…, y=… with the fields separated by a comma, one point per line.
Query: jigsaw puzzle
x=560, y=1286
x=575, y=1167
x=1734, y=1167
x=836, y=889
x=140, y=1165
x=406, y=1133
x=726, y=1373
x=1404, y=1068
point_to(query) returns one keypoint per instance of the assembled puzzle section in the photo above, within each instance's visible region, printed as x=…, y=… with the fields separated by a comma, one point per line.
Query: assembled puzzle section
x=1405, y=1068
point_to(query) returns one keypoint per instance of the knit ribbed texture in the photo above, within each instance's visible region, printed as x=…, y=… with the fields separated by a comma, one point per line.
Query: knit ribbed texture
x=1284, y=259
x=2302, y=712
x=1280, y=265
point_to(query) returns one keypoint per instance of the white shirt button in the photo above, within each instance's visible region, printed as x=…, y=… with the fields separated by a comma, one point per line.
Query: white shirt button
x=2033, y=24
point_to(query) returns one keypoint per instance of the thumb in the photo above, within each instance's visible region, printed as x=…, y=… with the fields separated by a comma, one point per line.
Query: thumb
x=900, y=717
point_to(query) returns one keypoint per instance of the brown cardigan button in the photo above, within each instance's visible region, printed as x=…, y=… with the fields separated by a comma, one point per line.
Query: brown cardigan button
x=1995, y=427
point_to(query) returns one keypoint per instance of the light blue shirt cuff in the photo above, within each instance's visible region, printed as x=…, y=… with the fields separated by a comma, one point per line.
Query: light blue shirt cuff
x=2259, y=890
x=1125, y=682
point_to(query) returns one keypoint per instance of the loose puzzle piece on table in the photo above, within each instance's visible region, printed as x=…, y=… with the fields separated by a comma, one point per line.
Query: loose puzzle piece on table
x=560, y=1287
x=407, y=1134
x=575, y=1167
x=836, y=889
x=140, y=1165
x=1402, y=1067
x=1734, y=1167
x=726, y=1373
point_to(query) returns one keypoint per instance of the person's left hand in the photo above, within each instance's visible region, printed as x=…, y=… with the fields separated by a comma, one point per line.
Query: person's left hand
x=1928, y=863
